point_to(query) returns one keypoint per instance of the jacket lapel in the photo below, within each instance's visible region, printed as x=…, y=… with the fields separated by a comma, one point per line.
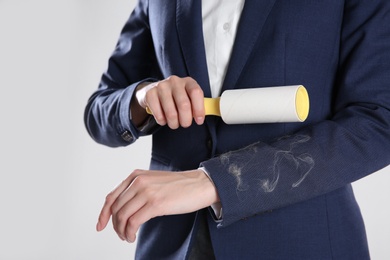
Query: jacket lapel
x=253, y=17
x=189, y=27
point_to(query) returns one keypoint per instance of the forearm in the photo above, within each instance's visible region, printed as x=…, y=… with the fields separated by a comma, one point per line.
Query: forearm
x=107, y=115
x=312, y=162
x=113, y=116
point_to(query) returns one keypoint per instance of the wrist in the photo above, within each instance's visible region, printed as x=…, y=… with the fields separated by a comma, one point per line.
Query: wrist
x=209, y=186
x=137, y=111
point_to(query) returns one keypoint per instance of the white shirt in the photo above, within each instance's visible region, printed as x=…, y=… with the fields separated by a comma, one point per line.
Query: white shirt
x=220, y=21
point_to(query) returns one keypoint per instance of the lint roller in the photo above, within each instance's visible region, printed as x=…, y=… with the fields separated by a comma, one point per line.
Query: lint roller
x=260, y=105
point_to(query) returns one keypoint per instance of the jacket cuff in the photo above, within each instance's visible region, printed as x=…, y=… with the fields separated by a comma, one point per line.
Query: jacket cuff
x=129, y=132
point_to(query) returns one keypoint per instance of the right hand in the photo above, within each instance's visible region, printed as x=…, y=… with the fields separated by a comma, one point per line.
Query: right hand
x=174, y=101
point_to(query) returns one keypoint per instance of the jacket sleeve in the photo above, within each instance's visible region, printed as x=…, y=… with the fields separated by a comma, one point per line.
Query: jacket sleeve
x=107, y=115
x=320, y=158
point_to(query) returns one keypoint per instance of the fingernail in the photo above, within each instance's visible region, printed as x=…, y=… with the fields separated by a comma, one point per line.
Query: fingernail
x=199, y=120
x=98, y=226
x=130, y=240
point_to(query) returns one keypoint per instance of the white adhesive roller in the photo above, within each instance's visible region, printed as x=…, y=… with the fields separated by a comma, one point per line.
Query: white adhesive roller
x=264, y=105
x=260, y=105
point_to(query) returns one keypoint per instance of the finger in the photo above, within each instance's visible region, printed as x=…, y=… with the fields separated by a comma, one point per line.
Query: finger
x=183, y=105
x=167, y=102
x=134, y=222
x=152, y=100
x=121, y=218
x=195, y=93
x=105, y=212
x=121, y=207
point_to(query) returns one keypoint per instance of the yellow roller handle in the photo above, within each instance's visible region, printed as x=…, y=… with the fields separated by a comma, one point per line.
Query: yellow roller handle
x=211, y=106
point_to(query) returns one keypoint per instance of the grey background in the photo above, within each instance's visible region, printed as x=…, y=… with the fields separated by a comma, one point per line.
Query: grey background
x=53, y=177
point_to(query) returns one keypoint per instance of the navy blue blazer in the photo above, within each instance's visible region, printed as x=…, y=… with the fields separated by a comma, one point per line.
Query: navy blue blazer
x=285, y=188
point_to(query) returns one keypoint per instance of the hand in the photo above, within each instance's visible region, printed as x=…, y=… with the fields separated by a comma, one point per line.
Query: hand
x=148, y=194
x=174, y=101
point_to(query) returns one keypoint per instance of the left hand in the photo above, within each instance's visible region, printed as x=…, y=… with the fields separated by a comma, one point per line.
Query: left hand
x=148, y=194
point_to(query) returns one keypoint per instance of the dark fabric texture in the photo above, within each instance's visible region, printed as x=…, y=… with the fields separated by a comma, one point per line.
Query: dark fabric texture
x=284, y=188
